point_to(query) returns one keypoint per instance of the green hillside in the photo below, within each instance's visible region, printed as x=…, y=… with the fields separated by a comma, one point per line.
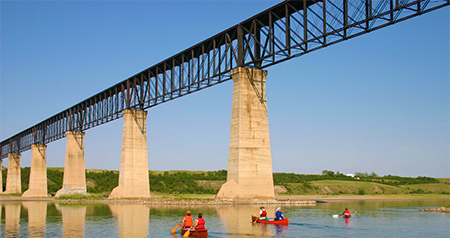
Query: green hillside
x=209, y=182
x=335, y=187
x=428, y=188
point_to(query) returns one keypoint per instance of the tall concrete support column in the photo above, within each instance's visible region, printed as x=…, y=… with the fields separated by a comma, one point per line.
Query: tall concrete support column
x=1, y=177
x=249, y=157
x=38, y=172
x=13, y=180
x=133, y=175
x=74, y=180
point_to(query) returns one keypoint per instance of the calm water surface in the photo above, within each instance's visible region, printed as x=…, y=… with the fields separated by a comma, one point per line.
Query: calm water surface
x=370, y=219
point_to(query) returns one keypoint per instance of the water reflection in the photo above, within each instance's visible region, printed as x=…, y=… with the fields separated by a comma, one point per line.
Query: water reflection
x=237, y=220
x=37, y=213
x=371, y=218
x=132, y=218
x=73, y=218
x=12, y=218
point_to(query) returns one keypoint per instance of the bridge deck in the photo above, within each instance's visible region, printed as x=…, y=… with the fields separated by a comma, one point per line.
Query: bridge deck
x=285, y=31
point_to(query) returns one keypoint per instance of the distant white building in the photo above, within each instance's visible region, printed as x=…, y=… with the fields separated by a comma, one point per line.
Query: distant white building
x=351, y=175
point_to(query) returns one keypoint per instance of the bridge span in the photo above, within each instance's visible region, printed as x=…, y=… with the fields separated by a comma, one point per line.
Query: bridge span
x=288, y=30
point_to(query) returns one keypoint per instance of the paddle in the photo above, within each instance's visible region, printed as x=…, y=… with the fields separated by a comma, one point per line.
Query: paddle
x=187, y=233
x=336, y=216
x=175, y=228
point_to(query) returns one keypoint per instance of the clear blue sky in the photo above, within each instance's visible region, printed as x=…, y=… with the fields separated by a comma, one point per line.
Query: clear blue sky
x=378, y=102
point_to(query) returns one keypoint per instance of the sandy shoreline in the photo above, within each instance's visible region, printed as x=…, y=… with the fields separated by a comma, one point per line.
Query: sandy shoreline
x=209, y=200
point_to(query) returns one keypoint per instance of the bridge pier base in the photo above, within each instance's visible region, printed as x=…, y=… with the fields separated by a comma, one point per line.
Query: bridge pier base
x=74, y=180
x=133, y=175
x=249, y=157
x=13, y=180
x=38, y=172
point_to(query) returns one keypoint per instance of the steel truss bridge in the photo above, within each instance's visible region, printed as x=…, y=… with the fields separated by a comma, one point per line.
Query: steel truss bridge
x=282, y=32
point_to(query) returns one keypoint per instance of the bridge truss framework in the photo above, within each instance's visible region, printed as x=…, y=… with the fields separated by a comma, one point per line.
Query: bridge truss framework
x=287, y=30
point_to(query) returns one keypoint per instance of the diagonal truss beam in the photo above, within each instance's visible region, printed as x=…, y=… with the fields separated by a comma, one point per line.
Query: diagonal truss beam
x=282, y=32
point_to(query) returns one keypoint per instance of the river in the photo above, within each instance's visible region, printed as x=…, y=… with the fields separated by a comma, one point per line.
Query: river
x=391, y=218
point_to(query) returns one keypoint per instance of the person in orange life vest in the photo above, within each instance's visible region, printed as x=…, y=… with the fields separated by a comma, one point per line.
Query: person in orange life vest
x=199, y=223
x=346, y=211
x=187, y=220
x=262, y=213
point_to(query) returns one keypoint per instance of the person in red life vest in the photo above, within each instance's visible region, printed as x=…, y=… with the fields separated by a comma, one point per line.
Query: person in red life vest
x=262, y=213
x=347, y=212
x=199, y=222
x=187, y=220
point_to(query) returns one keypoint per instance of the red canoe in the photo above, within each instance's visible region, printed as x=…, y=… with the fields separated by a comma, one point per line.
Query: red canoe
x=347, y=215
x=283, y=222
x=196, y=233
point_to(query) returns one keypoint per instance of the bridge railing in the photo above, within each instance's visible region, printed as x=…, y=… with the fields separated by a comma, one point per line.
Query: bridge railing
x=287, y=30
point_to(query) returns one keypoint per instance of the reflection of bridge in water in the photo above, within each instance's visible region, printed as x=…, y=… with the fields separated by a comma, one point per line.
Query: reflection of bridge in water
x=42, y=219
x=285, y=31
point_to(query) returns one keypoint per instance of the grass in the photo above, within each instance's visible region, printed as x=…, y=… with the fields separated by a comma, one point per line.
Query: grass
x=336, y=187
x=183, y=196
x=156, y=172
x=429, y=188
x=11, y=195
x=444, y=180
x=320, y=187
x=354, y=187
x=56, y=168
x=79, y=197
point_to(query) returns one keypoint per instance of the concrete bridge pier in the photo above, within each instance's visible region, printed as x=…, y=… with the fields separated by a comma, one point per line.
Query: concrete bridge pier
x=1, y=177
x=74, y=180
x=13, y=179
x=38, y=172
x=133, y=175
x=249, y=156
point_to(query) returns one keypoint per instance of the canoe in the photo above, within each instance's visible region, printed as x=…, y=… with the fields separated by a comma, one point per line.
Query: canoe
x=196, y=233
x=283, y=222
x=347, y=215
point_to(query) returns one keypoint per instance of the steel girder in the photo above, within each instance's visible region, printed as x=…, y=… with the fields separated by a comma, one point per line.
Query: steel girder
x=287, y=30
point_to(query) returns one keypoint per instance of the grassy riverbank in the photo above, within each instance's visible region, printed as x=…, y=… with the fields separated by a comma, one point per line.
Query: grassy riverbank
x=198, y=184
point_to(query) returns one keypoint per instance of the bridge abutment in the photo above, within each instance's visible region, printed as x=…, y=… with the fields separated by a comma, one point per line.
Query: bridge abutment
x=249, y=157
x=38, y=172
x=133, y=175
x=74, y=180
x=13, y=180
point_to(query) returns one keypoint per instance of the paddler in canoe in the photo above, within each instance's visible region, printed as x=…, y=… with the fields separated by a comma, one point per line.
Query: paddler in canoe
x=185, y=223
x=278, y=220
x=197, y=229
x=262, y=213
x=279, y=215
x=199, y=223
x=347, y=213
x=187, y=220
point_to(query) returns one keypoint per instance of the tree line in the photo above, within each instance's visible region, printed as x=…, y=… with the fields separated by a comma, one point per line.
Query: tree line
x=184, y=182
